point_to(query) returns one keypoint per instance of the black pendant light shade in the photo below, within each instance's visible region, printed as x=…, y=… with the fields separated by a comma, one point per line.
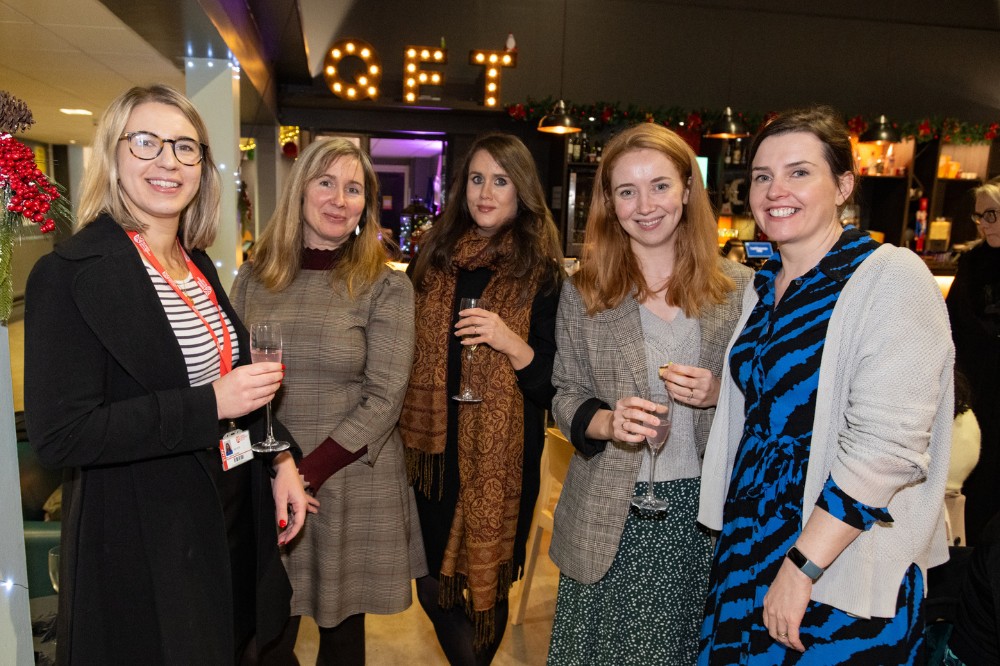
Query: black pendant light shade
x=558, y=121
x=727, y=127
x=880, y=132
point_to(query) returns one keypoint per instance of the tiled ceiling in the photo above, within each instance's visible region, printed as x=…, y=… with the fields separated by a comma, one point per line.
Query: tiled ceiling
x=72, y=54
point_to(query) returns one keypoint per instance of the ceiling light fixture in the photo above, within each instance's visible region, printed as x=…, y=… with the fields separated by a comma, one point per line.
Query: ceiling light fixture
x=727, y=127
x=880, y=133
x=558, y=121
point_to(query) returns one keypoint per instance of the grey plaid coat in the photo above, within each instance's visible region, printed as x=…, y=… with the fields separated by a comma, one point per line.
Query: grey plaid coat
x=348, y=366
x=604, y=357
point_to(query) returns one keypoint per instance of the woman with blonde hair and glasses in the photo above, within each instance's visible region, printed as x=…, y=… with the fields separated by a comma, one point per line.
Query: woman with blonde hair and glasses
x=650, y=310
x=136, y=366
x=347, y=318
x=974, y=309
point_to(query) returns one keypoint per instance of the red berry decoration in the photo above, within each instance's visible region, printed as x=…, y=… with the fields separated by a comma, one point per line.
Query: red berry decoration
x=27, y=190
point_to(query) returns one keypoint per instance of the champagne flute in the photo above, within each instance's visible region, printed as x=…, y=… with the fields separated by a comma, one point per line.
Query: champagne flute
x=466, y=392
x=664, y=412
x=265, y=346
x=54, y=567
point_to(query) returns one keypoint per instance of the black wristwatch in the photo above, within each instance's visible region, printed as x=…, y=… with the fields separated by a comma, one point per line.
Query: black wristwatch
x=805, y=565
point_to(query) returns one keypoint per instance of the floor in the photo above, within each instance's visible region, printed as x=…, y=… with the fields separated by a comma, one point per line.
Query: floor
x=407, y=637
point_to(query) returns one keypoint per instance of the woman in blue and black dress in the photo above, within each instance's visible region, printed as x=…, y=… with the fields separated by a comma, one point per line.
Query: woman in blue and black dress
x=826, y=465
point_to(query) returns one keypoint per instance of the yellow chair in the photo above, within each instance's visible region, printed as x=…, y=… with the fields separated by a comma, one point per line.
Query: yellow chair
x=555, y=462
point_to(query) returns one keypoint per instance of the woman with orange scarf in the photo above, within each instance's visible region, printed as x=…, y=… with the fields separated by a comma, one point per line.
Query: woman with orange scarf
x=475, y=466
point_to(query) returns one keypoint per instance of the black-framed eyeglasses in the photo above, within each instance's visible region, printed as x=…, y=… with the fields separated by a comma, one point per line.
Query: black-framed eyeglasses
x=987, y=216
x=148, y=146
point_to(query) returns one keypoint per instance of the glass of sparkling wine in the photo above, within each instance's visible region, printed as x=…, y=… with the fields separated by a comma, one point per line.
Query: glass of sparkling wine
x=466, y=393
x=54, y=567
x=664, y=411
x=265, y=346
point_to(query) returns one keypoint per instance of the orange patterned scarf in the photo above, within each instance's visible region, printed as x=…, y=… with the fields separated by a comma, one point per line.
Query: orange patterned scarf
x=478, y=558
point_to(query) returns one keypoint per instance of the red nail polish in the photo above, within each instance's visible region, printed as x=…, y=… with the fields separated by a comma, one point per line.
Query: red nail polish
x=282, y=523
x=283, y=367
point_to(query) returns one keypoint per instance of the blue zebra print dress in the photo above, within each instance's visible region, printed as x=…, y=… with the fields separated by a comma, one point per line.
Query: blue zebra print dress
x=775, y=362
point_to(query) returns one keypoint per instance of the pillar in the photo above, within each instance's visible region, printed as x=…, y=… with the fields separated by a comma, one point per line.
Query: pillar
x=214, y=87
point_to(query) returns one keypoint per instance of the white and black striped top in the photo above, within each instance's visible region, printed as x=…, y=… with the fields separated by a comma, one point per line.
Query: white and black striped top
x=200, y=353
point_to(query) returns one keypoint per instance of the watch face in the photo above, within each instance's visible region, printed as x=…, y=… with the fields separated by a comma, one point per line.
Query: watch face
x=810, y=569
x=797, y=558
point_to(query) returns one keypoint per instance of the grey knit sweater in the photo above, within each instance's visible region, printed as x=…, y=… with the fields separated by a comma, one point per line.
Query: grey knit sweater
x=882, y=428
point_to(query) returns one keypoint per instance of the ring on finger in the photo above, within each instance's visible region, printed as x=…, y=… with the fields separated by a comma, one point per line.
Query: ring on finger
x=782, y=635
x=691, y=395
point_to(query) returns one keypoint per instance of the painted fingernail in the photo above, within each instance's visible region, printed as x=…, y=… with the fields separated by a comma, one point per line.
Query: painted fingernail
x=283, y=368
x=282, y=523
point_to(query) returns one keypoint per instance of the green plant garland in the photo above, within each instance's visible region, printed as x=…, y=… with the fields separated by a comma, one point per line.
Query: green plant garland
x=609, y=117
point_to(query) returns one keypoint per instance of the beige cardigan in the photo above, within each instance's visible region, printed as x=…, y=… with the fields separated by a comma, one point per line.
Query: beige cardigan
x=882, y=428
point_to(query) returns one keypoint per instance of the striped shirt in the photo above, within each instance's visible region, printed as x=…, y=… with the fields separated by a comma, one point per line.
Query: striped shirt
x=200, y=352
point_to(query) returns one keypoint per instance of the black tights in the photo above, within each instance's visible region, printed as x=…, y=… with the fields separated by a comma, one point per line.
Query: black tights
x=343, y=645
x=455, y=631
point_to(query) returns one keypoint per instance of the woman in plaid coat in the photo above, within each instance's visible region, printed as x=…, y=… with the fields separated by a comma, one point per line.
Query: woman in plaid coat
x=320, y=269
x=652, y=307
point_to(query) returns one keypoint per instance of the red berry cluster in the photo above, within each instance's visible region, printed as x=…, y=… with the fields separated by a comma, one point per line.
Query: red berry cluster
x=31, y=192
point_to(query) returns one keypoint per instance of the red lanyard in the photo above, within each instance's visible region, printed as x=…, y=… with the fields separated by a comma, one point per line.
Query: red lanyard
x=225, y=348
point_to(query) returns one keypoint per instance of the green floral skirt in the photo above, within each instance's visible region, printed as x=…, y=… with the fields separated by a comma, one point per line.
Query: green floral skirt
x=648, y=608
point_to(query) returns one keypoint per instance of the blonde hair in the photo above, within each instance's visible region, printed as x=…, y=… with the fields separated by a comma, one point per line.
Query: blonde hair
x=990, y=188
x=609, y=270
x=277, y=256
x=102, y=192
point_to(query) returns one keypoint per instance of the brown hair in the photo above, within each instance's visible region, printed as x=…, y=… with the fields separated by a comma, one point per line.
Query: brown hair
x=277, y=256
x=102, y=192
x=609, y=271
x=825, y=124
x=536, y=240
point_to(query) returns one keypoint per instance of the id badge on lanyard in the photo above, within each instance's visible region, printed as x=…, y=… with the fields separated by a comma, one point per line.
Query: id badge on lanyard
x=234, y=447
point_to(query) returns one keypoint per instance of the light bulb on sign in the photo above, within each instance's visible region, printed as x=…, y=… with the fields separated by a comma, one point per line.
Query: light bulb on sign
x=415, y=77
x=366, y=83
x=493, y=61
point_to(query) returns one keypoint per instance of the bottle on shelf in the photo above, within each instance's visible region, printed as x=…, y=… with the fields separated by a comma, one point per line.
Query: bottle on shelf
x=584, y=148
x=920, y=227
x=737, y=152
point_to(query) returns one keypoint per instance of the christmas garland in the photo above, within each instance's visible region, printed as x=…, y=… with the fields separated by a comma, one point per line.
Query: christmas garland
x=27, y=196
x=609, y=117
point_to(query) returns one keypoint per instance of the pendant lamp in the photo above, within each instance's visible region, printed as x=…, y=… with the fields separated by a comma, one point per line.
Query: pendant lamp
x=558, y=121
x=727, y=127
x=880, y=133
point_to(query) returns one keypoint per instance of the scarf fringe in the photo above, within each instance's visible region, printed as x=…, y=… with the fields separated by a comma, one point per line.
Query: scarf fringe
x=453, y=590
x=423, y=469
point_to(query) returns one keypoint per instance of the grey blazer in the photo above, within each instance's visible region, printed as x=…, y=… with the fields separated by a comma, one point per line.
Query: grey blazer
x=603, y=356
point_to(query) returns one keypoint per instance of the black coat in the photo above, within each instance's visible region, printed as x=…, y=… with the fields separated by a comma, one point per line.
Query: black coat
x=146, y=573
x=974, y=308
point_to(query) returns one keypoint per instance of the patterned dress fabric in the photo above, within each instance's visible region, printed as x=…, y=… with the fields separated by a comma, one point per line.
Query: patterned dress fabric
x=348, y=362
x=775, y=362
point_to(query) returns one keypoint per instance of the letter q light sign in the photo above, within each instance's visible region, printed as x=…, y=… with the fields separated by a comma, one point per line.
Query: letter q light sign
x=366, y=81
